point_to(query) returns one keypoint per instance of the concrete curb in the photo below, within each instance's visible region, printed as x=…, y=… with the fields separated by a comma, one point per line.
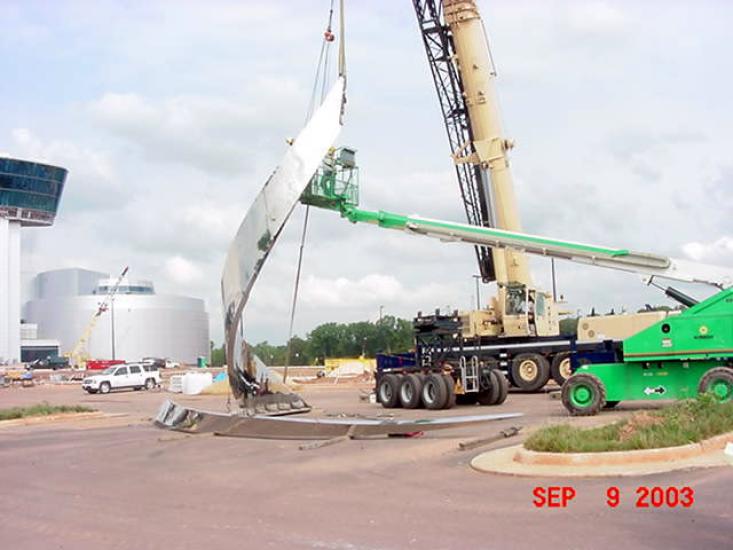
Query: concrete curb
x=518, y=461
x=614, y=458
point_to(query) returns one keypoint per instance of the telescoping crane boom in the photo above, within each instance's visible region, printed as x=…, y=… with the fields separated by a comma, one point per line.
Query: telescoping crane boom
x=464, y=74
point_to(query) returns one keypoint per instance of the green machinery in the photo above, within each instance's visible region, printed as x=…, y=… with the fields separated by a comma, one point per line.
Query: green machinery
x=675, y=358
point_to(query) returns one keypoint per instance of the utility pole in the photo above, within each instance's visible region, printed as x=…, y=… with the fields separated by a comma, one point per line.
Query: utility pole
x=380, y=314
x=112, y=314
x=477, y=278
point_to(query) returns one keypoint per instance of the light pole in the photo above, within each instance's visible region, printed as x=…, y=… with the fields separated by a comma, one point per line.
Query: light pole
x=380, y=314
x=554, y=285
x=477, y=278
x=112, y=314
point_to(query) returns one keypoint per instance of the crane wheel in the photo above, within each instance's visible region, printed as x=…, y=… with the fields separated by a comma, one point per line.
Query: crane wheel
x=719, y=382
x=498, y=391
x=503, y=385
x=450, y=387
x=410, y=390
x=530, y=371
x=560, y=368
x=388, y=391
x=434, y=392
x=583, y=395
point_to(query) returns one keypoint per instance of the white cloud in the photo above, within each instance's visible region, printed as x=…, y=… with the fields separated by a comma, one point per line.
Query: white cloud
x=596, y=17
x=719, y=251
x=177, y=117
x=182, y=271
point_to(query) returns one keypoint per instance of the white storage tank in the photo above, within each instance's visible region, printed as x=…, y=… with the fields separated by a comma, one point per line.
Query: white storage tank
x=146, y=324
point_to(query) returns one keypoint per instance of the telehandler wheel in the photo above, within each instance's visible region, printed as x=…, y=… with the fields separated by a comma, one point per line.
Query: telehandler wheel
x=434, y=392
x=450, y=387
x=583, y=395
x=530, y=371
x=410, y=390
x=560, y=368
x=719, y=382
x=388, y=391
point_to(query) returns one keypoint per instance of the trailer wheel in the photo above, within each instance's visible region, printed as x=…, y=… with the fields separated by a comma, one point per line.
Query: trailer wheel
x=560, y=368
x=530, y=371
x=434, y=392
x=450, y=387
x=719, y=382
x=389, y=391
x=410, y=390
x=583, y=395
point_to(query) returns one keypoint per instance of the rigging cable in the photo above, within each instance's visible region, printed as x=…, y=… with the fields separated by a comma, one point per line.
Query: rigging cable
x=322, y=76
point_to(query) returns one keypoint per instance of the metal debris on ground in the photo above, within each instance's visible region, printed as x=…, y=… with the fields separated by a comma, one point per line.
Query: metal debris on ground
x=177, y=417
x=475, y=443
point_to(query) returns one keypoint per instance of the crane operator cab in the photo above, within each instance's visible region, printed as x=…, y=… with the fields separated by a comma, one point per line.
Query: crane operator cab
x=527, y=311
x=518, y=310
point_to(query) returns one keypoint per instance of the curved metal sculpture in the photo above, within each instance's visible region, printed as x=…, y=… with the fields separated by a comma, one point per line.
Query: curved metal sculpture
x=265, y=219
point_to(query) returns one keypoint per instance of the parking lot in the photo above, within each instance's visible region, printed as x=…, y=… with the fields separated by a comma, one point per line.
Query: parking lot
x=119, y=482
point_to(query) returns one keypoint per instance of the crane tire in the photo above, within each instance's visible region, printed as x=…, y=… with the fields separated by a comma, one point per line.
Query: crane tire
x=560, y=367
x=503, y=385
x=434, y=392
x=388, y=391
x=410, y=390
x=490, y=395
x=450, y=387
x=530, y=371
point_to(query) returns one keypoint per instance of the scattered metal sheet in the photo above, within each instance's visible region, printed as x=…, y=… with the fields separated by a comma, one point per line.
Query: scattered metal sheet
x=177, y=417
x=260, y=229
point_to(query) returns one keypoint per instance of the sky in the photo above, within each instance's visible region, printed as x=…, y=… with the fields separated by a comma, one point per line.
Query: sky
x=170, y=116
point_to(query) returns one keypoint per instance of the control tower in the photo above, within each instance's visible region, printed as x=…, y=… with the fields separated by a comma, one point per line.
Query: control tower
x=30, y=193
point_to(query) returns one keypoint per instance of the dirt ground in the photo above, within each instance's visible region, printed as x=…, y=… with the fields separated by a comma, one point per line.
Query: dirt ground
x=119, y=482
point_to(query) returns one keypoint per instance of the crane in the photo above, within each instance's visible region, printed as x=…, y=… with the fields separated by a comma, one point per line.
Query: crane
x=465, y=80
x=78, y=354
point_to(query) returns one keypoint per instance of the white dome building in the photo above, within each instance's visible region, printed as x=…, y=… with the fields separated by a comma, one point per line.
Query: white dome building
x=140, y=323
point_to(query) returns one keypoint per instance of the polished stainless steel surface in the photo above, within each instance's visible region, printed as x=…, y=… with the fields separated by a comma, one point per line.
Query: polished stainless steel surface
x=261, y=227
x=181, y=418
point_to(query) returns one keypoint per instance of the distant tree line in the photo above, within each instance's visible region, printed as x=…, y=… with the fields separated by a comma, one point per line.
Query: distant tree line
x=390, y=334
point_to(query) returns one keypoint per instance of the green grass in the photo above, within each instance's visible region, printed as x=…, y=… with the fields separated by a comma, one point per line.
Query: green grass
x=684, y=422
x=42, y=409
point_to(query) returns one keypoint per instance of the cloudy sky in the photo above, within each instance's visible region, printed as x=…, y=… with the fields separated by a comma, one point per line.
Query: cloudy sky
x=170, y=115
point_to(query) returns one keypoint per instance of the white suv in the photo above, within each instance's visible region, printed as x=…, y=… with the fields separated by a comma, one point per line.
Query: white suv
x=130, y=375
